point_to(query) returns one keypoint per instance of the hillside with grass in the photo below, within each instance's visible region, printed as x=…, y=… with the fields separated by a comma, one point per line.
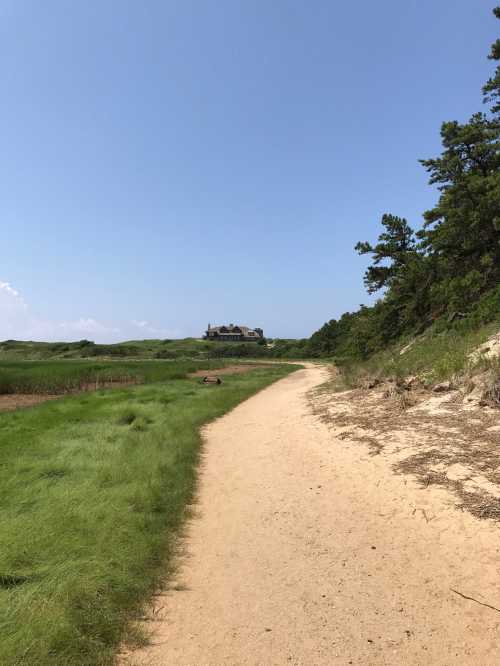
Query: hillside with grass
x=131, y=349
x=186, y=348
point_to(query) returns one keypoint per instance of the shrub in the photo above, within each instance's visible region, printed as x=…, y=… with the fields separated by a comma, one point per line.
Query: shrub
x=127, y=417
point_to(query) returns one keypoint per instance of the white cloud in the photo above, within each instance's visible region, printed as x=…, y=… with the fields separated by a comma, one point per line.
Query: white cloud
x=13, y=311
x=140, y=324
x=17, y=322
x=12, y=294
x=42, y=329
x=87, y=326
x=146, y=327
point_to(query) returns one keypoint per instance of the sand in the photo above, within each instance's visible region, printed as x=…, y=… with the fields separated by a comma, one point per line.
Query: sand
x=11, y=401
x=306, y=549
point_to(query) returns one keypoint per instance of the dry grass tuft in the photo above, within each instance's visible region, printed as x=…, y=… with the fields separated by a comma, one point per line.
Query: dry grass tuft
x=401, y=396
x=491, y=388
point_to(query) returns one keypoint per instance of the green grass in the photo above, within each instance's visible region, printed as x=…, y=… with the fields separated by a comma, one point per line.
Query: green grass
x=93, y=490
x=137, y=349
x=61, y=376
x=187, y=348
x=436, y=356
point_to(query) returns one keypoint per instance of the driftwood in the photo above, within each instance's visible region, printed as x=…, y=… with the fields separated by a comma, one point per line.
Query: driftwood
x=211, y=379
x=481, y=603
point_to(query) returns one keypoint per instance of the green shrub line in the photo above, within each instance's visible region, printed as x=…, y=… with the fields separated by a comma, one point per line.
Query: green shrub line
x=187, y=349
x=93, y=490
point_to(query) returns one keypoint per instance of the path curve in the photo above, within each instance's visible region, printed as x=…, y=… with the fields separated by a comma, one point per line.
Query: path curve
x=307, y=550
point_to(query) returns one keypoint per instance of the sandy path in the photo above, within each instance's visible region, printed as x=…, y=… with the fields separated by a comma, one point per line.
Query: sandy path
x=306, y=550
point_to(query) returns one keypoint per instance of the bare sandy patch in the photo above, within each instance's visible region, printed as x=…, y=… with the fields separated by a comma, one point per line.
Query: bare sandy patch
x=11, y=401
x=439, y=440
x=229, y=370
x=307, y=549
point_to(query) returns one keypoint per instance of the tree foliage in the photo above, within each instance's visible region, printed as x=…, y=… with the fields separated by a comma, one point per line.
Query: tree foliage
x=395, y=245
x=452, y=261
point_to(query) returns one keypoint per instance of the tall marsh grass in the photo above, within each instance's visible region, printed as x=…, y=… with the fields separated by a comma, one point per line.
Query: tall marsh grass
x=68, y=376
x=93, y=489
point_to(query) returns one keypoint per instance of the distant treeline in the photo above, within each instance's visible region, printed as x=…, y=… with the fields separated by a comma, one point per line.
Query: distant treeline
x=80, y=349
x=449, y=270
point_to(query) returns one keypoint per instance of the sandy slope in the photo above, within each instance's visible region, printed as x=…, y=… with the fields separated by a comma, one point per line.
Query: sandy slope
x=307, y=550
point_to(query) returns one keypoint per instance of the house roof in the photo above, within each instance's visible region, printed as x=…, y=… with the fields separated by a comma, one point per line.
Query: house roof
x=233, y=329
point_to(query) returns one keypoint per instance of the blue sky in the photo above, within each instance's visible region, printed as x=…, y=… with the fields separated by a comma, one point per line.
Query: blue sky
x=166, y=164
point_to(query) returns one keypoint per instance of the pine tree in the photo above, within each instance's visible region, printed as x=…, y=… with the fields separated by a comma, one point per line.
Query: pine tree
x=395, y=245
x=491, y=90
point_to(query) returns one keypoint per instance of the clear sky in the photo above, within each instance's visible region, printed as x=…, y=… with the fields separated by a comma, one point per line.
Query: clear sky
x=164, y=164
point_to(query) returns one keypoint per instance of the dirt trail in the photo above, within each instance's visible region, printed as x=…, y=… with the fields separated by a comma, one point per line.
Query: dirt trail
x=308, y=550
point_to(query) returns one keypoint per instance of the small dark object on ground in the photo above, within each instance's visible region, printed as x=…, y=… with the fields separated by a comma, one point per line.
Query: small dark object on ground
x=12, y=580
x=211, y=379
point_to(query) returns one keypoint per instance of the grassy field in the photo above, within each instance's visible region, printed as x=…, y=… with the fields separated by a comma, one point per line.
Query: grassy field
x=93, y=488
x=436, y=356
x=58, y=376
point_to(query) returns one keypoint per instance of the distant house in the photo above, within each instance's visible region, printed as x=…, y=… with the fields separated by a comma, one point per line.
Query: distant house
x=234, y=333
